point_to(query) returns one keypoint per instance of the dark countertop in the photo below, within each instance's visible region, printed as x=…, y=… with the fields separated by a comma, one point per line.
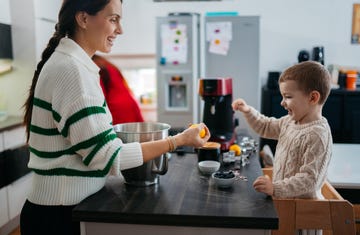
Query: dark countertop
x=184, y=197
x=11, y=122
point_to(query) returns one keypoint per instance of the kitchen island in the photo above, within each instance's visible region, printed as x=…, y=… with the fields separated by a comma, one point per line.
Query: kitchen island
x=184, y=202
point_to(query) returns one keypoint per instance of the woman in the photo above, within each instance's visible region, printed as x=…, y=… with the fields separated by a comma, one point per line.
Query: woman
x=73, y=146
x=118, y=95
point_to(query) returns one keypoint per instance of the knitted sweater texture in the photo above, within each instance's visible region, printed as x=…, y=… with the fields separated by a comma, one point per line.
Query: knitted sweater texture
x=302, y=156
x=73, y=146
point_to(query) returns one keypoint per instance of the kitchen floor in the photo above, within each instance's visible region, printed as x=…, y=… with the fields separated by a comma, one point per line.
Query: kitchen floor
x=16, y=231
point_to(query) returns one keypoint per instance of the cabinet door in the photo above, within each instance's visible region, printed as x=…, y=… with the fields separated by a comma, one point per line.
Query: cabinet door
x=16, y=161
x=1, y=142
x=352, y=118
x=5, y=12
x=14, y=138
x=4, y=211
x=45, y=9
x=3, y=180
x=333, y=111
x=17, y=193
x=44, y=30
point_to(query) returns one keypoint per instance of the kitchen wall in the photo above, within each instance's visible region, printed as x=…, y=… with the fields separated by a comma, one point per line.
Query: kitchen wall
x=287, y=26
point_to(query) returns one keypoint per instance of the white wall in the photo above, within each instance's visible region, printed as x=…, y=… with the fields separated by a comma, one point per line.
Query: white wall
x=287, y=26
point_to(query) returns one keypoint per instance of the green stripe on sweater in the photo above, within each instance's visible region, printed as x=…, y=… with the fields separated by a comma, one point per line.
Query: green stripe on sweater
x=47, y=106
x=43, y=104
x=82, y=145
x=72, y=172
x=103, y=142
x=44, y=131
x=84, y=113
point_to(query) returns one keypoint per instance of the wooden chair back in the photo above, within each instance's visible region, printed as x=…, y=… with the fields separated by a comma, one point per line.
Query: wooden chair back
x=334, y=215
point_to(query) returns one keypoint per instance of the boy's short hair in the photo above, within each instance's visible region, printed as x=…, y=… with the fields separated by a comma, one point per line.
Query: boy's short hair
x=310, y=76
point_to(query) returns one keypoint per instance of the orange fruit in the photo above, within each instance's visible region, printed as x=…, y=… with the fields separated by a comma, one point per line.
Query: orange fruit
x=202, y=131
x=236, y=148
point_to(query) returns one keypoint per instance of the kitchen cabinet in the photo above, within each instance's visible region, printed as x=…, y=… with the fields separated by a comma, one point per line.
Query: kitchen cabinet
x=4, y=215
x=15, y=179
x=33, y=25
x=16, y=161
x=48, y=10
x=44, y=30
x=2, y=170
x=1, y=142
x=14, y=138
x=5, y=12
x=352, y=117
x=342, y=110
x=46, y=14
x=17, y=192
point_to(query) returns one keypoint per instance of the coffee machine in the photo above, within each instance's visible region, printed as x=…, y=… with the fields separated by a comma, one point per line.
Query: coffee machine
x=218, y=114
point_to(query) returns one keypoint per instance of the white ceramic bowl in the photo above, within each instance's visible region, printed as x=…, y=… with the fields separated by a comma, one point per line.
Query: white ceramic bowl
x=208, y=167
x=223, y=182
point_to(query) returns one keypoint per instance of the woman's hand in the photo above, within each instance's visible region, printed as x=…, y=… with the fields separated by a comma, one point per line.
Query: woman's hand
x=264, y=184
x=240, y=105
x=191, y=136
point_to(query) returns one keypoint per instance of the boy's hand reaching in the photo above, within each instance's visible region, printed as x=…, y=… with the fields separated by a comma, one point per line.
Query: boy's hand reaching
x=240, y=105
x=264, y=184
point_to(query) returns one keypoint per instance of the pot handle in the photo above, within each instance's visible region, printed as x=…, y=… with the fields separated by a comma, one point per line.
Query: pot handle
x=164, y=165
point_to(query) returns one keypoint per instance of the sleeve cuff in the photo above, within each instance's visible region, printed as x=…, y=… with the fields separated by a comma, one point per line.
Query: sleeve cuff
x=130, y=156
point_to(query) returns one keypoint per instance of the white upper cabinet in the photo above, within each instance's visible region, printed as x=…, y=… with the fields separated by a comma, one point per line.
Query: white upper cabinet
x=44, y=30
x=1, y=143
x=46, y=14
x=5, y=12
x=45, y=9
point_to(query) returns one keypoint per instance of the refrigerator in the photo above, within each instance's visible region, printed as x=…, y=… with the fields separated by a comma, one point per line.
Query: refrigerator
x=214, y=46
x=178, y=69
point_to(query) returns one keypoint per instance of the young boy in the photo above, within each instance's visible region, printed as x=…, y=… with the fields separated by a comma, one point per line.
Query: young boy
x=304, y=138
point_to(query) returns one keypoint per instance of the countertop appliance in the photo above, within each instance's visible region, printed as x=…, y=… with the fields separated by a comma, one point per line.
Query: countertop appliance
x=217, y=112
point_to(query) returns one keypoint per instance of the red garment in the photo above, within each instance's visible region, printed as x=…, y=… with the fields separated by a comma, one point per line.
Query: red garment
x=119, y=98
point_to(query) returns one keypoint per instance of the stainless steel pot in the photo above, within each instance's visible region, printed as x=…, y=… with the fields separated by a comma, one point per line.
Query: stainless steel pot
x=148, y=173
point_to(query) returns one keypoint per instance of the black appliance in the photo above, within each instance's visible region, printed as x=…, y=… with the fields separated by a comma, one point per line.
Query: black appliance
x=318, y=54
x=218, y=114
x=304, y=55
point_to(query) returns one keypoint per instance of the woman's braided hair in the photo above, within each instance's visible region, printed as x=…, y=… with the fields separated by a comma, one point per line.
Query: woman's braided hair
x=65, y=27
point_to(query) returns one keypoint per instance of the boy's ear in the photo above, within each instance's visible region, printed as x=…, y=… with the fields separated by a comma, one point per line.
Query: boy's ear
x=314, y=97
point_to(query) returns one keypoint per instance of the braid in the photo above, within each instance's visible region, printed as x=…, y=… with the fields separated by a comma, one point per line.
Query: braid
x=66, y=26
x=53, y=43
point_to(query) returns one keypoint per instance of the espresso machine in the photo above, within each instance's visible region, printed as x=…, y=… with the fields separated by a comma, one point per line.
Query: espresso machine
x=218, y=114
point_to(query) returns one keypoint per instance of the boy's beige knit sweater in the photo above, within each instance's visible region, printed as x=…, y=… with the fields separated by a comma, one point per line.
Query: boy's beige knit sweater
x=302, y=154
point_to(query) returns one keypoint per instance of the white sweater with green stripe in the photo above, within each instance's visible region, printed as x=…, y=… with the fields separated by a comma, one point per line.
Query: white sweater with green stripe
x=73, y=146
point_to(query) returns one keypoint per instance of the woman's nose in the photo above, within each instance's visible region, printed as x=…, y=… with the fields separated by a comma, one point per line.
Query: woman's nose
x=119, y=29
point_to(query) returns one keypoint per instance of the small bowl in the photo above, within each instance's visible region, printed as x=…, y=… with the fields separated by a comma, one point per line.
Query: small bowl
x=208, y=167
x=224, y=179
